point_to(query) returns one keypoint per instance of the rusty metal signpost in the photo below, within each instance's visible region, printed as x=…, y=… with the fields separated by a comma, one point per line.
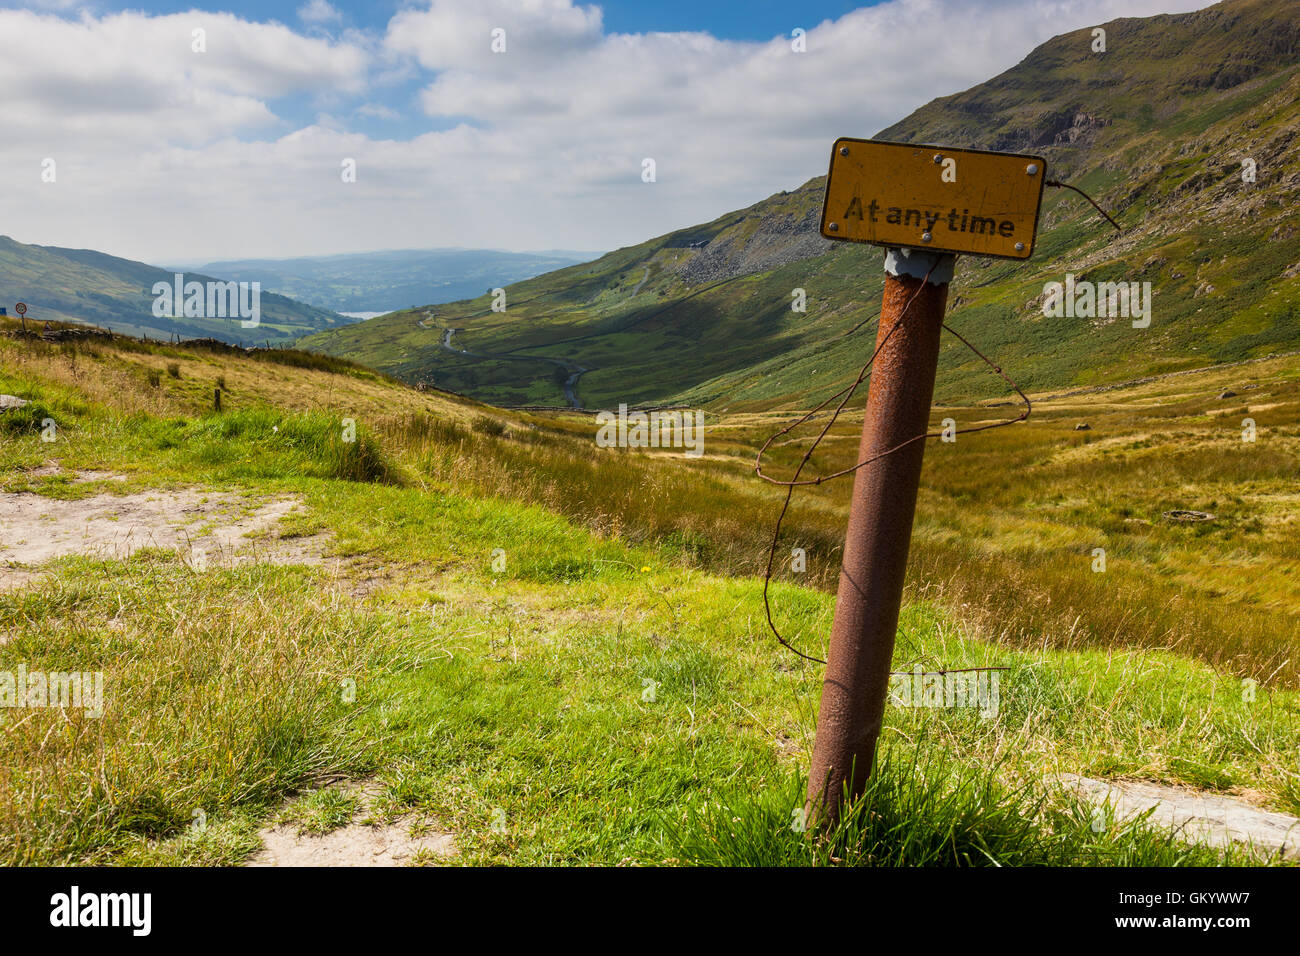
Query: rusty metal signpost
x=925, y=204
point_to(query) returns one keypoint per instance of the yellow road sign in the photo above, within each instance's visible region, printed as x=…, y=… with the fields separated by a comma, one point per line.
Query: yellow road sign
x=933, y=197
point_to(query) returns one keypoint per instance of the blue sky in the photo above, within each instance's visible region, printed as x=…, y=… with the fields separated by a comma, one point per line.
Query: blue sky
x=188, y=131
x=728, y=19
x=732, y=19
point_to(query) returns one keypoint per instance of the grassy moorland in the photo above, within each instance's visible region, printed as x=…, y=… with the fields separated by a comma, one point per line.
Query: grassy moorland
x=611, y=695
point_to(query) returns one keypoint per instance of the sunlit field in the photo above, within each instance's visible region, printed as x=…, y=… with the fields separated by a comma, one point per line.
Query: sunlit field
x=518, y=691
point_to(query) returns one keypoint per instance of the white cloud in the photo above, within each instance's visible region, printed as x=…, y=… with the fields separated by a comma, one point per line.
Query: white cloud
x=455, y=34
x=133, y=80
x=318, y=11
x=378, y=111
x=165, y=153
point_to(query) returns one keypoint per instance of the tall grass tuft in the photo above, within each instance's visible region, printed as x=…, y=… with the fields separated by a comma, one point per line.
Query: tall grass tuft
x=312, y=443
x=924, y=811
x=238, y=699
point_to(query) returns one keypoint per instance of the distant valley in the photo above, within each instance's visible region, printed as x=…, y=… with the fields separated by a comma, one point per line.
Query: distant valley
x=298, y=297
x=85, y=287
x=379, y=282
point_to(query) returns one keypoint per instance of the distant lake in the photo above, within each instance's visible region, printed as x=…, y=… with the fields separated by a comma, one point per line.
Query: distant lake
x=362, y=315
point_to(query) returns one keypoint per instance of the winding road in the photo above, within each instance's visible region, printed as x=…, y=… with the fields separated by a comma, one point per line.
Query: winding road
x=575, y=370
x=570, y=384
x=641, y=283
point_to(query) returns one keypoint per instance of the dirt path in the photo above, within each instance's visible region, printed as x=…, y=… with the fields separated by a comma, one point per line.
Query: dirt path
x=364, y=841
x=209, y=528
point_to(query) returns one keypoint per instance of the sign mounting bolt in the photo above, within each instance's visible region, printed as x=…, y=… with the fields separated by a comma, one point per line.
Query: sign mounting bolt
x=926, y=237
x=833, y=226
x=844, y=151
x=1020, y=247
x=1032, y=169
x=938, y=158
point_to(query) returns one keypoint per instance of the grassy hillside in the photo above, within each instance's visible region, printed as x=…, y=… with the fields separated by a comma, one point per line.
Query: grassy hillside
x=509, y=703
x=1155, y=129
x=86, y=287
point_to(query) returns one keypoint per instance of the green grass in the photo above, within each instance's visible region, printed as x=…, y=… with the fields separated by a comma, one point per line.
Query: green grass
x=514, y=707
x=925, y=811
x=212, y=703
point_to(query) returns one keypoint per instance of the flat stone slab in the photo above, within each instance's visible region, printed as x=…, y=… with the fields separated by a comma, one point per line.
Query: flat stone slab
x=1198, y=817
x=11, y=401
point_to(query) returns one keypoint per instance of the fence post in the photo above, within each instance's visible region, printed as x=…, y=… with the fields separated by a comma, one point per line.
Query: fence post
x=879, y=531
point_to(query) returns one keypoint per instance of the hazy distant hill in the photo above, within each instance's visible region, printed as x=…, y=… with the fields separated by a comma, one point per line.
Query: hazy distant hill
x=383, y=281
x=1156, y=128
x=81, y=285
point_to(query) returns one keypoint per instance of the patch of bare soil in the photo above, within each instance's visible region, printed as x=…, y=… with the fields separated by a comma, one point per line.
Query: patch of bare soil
x=52, y=469
x=86, y=477
x=1197, y=817
x=362, y=842
x=208, y=528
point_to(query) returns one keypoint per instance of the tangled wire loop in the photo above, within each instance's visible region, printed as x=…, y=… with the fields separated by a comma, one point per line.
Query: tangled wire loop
x=847, y=393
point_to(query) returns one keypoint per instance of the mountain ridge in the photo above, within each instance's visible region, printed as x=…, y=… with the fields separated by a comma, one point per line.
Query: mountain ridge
x=88, y=287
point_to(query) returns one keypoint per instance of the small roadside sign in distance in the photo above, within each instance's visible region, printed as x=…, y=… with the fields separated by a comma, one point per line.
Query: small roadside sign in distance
x=908, y=195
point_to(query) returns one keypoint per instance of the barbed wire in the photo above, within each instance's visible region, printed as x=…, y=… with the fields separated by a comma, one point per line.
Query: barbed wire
x=847, y=392
x=1060, y=185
